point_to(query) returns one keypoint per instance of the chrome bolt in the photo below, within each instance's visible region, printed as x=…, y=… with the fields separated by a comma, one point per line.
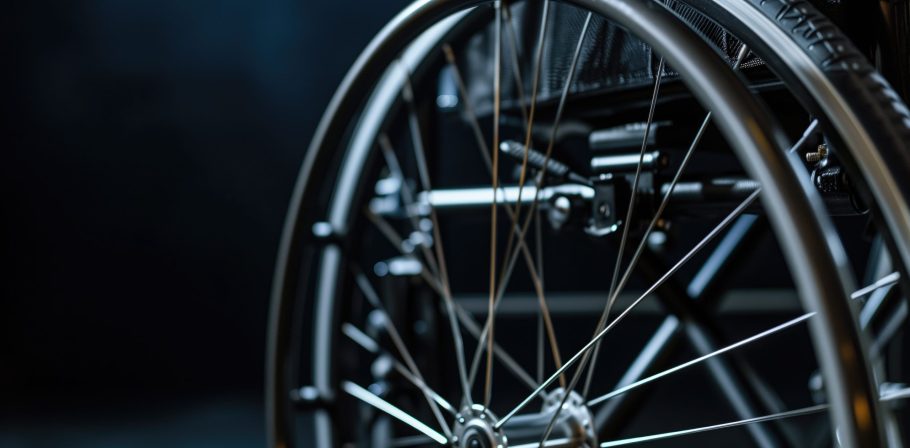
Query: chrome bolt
x=560, y=211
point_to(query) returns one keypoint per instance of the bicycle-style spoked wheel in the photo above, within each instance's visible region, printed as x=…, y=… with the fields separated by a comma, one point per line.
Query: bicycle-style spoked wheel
x=486, y=210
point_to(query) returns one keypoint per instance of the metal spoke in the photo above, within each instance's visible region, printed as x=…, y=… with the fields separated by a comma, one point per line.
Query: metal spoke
x=367, y=289
x=516, y=67
x=685, y=259
x=876, y=303
x=614, y=292
x=522, y=246
x=622, y=244
x=631, y=210
x=887, y=280
x=743, y=52
x=509, y=261
x=806, y=134
x=485, y=155
x=685, y=432
x=746, y=394
x=423, y=170
x=897, y=394
x=373, y=400
x=386, y=230
x=615, y=288
x=548, y=324
x=890, y=328
x=528, y=126
x=700, y=359
x=463, y=317
x=406, y=194
x=390, y=234
x=507, y=360
x=483, y=335
x=700, y=286
x=491, y=317
x=538, y=248
x=535, y=81
x=555, y=443
x=403, y=442
x=882, y=304
x=656, y=350
x=541, y=300
x=475, y=127
x=555, y=126
x=514, y=216
x=468, y=108
x=369, y=344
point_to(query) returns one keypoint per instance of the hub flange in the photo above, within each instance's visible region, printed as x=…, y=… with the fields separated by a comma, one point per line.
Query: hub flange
x=575, y=421
x=474, y=429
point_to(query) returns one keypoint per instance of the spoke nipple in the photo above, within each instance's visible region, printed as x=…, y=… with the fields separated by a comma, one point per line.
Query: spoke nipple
x=376, y=321
x=308, y=397
x=817, y=387
x=382, y=367
x=420, y=239
x=560, y=212
x=405, y=266
x=326, y=233
x=323, y=230
x=381, y=269
x=305, y=394
x=379, y=388
x=657, y=240
x=447, y=101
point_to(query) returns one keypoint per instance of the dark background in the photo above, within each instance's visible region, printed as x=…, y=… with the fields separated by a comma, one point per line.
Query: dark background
x=148, y=151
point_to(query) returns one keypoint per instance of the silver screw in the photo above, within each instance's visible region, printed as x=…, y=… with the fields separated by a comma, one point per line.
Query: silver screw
x=820, y=153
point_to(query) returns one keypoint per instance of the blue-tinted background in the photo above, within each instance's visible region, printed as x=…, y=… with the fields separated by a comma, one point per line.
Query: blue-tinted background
x=148, y=153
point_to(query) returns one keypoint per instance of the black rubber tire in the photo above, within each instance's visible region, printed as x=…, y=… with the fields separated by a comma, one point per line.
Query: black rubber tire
x=858, y=91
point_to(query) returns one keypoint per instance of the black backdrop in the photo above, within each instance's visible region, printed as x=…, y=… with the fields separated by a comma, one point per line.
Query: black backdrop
x=148, y=151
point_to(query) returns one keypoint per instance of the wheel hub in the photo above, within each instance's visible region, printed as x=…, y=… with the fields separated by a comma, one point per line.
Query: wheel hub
x=575, y=422
x=474, y=429
x=474, y=425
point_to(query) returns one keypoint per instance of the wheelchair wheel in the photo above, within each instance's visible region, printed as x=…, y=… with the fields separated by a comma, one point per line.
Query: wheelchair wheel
x=515, y=219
